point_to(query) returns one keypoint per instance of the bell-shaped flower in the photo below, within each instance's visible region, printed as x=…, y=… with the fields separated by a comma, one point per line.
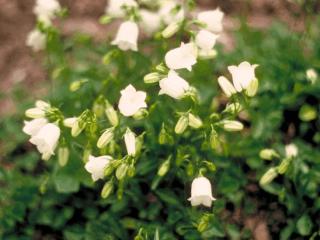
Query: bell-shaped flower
x=115, y=8
x=206, y=40
x=174, y=85
x=131, y=101
x=212, y=19
x=46, y=140
x=291, y=150
x=46, y=10
x=201, y=192
x=242, y=75
x=169, y=12
x=150, y=21
x=130, y=141
x=96, y=166
x=127, y=36
x=33, y=127
x=36, y=40
x=184, y=56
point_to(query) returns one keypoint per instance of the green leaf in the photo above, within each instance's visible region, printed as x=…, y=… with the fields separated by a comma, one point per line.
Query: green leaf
x=304, y=225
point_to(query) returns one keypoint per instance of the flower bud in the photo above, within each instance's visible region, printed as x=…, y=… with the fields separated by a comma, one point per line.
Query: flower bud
x=206, y=55
x=283, y=167
x=171, y=29
x=182, y=124
x=233, y=108
x=291, y=150
x=131, y=171
x=268, y=176
x=153, y=77
x=35, y=113
x=232, y=126
x=226, y=86
x=141, y=114
x=312, y=75
x=121, y=171
x=63, y=156
x=98, y=108
x=161, y=68
x=164, y=137
x=111, y=114
x=214, y=140
x=107, y=189
x=42, y=104
x=268, y=154
x=203, y=223
x=76, y=128
x=105, y=138
x=130, y=141
x=164, y=168
x=69, y=122
x=139, y=143
x=75, y=86
x=194, y=121
x=86, y=154
x=109, y=169
x=252, y=88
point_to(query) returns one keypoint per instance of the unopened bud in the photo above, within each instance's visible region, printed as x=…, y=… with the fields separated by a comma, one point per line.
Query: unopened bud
x=208, y=54
x=194, y=121
x=171, y=29
x=130, y=141
x=35, y=113
x=252, y=88
x=76, y=128
x=121, y=171
x=268, y=176
x=312, y=75
x=214, y=140
x=226, y=86
x=105, y=138
x=203, y=223
x=162, y=68
x=63, y=156
x=107, y=189
x=69, y=122
x=232, y=126
x=111, y=114
x=164, y=168
x=268, y=154
x=233, y=108
x=141, y=114
x=182, y=124
x=153, y=77
x=164, y=137
x=108, y=170
x=42, y=104
x=131, y=171
x=283, y=167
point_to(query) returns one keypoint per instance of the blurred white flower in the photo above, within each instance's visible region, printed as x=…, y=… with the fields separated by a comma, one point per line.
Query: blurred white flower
x=169, y=12
x=131, y=101
x=184, y=56
x=291, y=150
x=226, y=86
x=312, y=75
x=39, y=111
x=33, y=127
x=130, y=141
x=46, y=10
x=231, y=125
x=206, y=40
x=127, y=36
x=96, y=166
x=150, y=21
x=242, y=75
x=36, y=40
x=115, y=8
x=46, y=140
x=174, y=85
x=212, y=19
x=201, y=192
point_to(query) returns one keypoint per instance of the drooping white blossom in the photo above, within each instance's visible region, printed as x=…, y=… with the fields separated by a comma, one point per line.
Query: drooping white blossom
x=96, y=166
x=36, y=40
x=212, y=19
x=184, y=56
x=127, y=36
x=130, y=141
x=33, y=127
x=46, y=10
x=46, y=140
x=242, y=75
x=131, y=101
x=291, y=150
x=115, y=8
x=150, y=21
x=174, y=85
x=206, y=40
x=169, y=12
x=201, y=192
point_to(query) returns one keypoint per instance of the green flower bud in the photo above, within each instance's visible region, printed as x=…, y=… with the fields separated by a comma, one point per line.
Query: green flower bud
x=76, y=85
x=131, y=171
x=171, y=29
x=86, y=154
x=232, y=126
x=252, y=89
x=194, y=121
x=233, y=108
x=268, y=176
x=105, y=138
x=121, y=171
x=268, y=154
x=141, y=114
x=182, y=124
x=203, y=223
x=164, y=168
x=76, y=128
x=63, y=156
x=109, y=169
x=111, y=114
x=107, y=189
x=153, y=77
x=214, y=140
x=283, y=167
x=164, y=137
x=35, y=113
x=105, y=19
x=161, y=68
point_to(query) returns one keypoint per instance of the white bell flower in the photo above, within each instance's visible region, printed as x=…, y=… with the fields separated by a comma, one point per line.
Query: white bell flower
x=131, y=101
x=226, y=86
x=36, y=40
x=167, y=12
x=127, y=36
x=201, y=192
x=150, y=21
x=46, y=140
x=174, y=85
x=115, y=8
x=206, y=40
x=33, y=127
x=212, y=19
x=242, y=75
x=46, y=10
x=184, y=56
x=96, y=166
x=291, y=150
x=130, y=141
